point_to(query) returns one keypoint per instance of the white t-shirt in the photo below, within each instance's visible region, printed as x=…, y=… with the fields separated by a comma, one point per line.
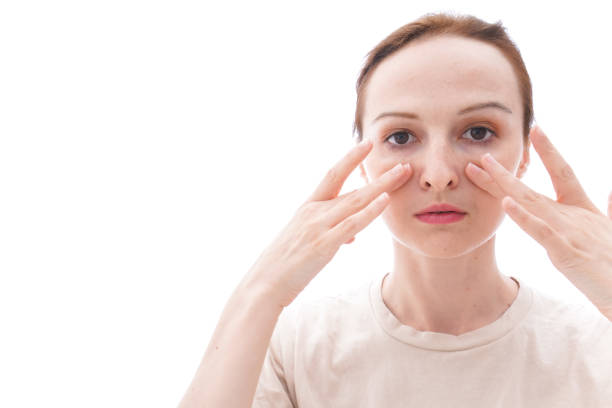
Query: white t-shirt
x=349, y=350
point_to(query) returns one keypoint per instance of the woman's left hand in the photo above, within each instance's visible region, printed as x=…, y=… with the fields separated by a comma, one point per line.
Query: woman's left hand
x=576, y=235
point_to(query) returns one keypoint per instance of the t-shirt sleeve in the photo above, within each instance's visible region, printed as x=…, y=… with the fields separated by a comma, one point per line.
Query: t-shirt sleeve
x=273, y=388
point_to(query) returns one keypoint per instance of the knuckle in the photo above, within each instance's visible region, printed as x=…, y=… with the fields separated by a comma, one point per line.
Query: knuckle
x=545, y=231
x=355, y=200
x=332, y=175
x=350, y=224
x=531, y=196
x=566, y=172
x=524, y=218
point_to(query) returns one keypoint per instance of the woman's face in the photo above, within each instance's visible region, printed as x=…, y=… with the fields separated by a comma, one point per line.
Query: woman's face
x=435, y=79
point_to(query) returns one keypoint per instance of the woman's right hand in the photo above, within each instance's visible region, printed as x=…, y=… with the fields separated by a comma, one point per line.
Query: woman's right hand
x=320, y=226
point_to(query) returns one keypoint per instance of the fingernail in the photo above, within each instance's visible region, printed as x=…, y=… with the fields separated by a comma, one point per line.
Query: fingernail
x=489, y=158
x=364, y=143
x=474, y=167
x=397, y=169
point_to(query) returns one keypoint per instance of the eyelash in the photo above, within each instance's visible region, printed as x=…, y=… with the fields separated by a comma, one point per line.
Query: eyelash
x=482, y=142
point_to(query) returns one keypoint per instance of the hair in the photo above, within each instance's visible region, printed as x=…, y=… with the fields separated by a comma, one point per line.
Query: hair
x=432, y=24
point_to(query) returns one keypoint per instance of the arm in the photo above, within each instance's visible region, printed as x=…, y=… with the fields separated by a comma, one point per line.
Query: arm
x=577, y=236
x=231, y=366
x=229, y=372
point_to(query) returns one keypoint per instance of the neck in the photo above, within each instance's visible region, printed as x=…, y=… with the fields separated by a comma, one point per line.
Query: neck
x=447, y=295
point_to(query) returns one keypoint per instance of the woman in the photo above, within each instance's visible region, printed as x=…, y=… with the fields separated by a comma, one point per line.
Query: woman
x=444, y=327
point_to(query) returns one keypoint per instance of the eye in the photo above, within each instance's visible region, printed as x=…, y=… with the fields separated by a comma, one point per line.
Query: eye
x=405, y=136
x=479, y=133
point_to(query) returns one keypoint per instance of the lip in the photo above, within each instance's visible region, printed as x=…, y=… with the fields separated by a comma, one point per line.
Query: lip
x=444, y=218
x=440, y=207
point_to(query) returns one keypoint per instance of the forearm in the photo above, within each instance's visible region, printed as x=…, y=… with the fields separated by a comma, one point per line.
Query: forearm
x=230, y=369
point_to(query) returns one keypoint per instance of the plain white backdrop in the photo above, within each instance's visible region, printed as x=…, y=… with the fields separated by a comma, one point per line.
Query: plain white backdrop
x=150, y=151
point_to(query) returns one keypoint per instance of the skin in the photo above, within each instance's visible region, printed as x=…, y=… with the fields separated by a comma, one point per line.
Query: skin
x=445, y=277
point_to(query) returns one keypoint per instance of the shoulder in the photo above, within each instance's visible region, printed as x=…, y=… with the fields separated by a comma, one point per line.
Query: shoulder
x=319, y=318
x=576, y=321
x=346, y=307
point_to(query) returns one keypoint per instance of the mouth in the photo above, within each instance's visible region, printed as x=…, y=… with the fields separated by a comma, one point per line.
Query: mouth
x=440, y=217
x=441, y=208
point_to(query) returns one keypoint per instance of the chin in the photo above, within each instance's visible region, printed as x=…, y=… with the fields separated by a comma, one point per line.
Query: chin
x=441, y=250
x=445, y=243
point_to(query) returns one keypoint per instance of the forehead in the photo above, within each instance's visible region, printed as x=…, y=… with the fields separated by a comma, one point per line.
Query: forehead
x=441, y=74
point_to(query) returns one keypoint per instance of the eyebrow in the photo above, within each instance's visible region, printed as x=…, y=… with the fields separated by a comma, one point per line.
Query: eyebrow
x=483, y=105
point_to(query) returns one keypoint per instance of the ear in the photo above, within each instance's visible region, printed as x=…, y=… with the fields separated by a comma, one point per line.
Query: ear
x=522, y=169
x=363, y=173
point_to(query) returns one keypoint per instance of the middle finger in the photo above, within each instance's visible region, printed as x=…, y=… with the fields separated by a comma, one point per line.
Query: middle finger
x=360, y=198
x=537, y=203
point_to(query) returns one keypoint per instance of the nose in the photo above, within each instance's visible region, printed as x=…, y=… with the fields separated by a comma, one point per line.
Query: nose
x=439, y=169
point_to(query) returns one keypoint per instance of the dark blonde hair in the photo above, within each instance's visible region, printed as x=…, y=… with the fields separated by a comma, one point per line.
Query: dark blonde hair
x=433, y=24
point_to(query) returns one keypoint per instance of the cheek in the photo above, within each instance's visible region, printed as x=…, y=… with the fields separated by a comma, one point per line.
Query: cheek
x=376, y=165
x=483, y=202
x=508, y=155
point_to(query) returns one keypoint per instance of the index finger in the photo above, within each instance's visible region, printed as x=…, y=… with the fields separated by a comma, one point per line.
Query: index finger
x=333, y=181
x=564, y=180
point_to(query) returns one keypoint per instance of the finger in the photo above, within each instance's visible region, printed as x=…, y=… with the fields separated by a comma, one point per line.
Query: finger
x=350, y=240
x=536, y=203
x=387, y=182
x=567, y=186
x=356, y=222
x=535, y=227
x=483, y=180
x=332, y=183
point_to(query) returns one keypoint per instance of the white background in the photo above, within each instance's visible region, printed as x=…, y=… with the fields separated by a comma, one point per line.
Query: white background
x=150, y=150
